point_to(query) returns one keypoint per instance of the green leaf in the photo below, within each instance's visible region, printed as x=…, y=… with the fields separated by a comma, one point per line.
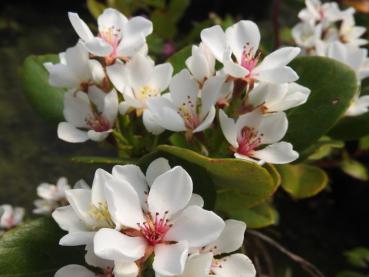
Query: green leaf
x=364, y=143
x=355, y=169
x=177, y=8
x=353, y=127
x=358, y=257
x=322, y=148
x=45, y=99
x=302, y=180
x=33, y=250
x=99, y=160
x=179, y=58
x=164, y=24
x=233, y=205
x=332, y=85
x=254, y=182
x=95, y=7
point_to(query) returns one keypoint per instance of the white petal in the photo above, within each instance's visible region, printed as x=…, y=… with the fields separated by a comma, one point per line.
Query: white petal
x=228, y=128
x=96, y=95
x=139, y=71
x=112, y=245
x=117, y=75
x=230, y=240
x=125, y=269
x=210, y=93
x=61, y=76
x=166, y=114
x=183, y=89
x=278, y=75
x=124, y=203
x=161, y=76
x=359, y=106
x=98, y=47
x=198, y=265
x=151, y=124
x=235, y=70
x=279, y=58
x=80, y=200
x=111, y=19
x=235, y=265
x=277, y=153
x=80, y=27
x=198, y=66
x=75, y=271
x=92, y=259
x=77, y=108
x=77, y=59
x=98, y=187
x=197, y=226
x=134, y=176
x=170, y=192
x=170, y=259
x=206, y=121
x=273, y=127
x=68, y=220
x=196, y=200
x=97, y=71
x=243, y=33
x=69, y=133
x=77, y=238
x=138, y=25
x=98, y=136
x=155, y=169
x=110, y=110
x=215, y=39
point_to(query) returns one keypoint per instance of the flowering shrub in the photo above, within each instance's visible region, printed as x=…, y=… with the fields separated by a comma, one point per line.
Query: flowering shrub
x=204, y=140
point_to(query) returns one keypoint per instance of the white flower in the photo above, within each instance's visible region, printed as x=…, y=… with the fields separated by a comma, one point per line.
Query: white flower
x=253, y=130
x=201, y=63
x=278, y=97
x=158, y=216
x=138, y=80
x=119, y=270
x=75, y=70
x=88, y=115
x=206, y=262
x=241, y=42
x=359, y=106
x=118, y=36
x=52, y=196
x=350, y=34
x=75, y=271
x=187, y=108
x=306, y=35
x=356, y=58
x=10, y=217
x=326, y=13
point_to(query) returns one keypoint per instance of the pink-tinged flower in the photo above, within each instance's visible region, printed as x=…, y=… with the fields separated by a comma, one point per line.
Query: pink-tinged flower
x=156, y=217
x=118, y=36
x=252, y=131
x=75, y=70
x=88, y=115
x=186, y=107
x=237, y=49
x=10, y=217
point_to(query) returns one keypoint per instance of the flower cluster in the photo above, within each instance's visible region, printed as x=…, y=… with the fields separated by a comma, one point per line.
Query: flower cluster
x=129, y=220
x=53, y=196
x=327, y=31
x=10, y=217
x=250, y=92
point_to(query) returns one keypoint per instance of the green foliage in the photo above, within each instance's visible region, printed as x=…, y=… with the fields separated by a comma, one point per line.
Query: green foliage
x=95, y=7
x=302, y=180
x=45, y=99
x=358, y=257
x=354, y=168
x=178, y=59
x=322, y=148
x=33, y=250
x=332, y=85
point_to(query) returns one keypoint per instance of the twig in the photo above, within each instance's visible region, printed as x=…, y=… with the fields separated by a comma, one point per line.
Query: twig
x=306, y=265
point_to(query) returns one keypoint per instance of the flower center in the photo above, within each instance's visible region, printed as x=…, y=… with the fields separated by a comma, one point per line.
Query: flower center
x=102, y=216
x=188, y=112
x=98, y=123
x=155, y=229
x=146, y=92
x=248, y=141
x=249, y=58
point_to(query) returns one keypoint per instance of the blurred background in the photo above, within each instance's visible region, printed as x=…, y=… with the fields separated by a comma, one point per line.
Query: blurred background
x=320, y=229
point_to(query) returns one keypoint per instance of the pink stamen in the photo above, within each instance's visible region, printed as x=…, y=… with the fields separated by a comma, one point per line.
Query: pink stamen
x=155, y=229
x=112, y=37
x=248, y=141
x=249, y=59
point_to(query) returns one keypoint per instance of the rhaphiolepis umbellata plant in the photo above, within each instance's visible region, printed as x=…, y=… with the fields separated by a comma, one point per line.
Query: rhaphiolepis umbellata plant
x=204, y=140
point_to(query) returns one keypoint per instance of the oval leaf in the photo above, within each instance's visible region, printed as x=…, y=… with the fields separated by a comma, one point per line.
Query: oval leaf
x=302, y=180
x=33, y=250
x=332, y=85
x=45, y=99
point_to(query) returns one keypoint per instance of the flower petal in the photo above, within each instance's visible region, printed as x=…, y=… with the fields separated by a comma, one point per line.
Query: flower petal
x=150, y=123
x=98, y=136
x=77, y=238
x=196, y=200
x=125, y=269
x=80, y=200
x=210, y=93
x=206, y=121
x=183, y=89
x=277, y=75
x=170, y=192
x=112, y=245
x=215, y=39
x=228, y=128
x=75, y=271
x=235, y=265
x=279, y=58
x=77, y=108
x=68, y=220
x=98, y=47
x=155, y=169
x=80, y=27
x=277, y=153
x=170, y=259
x=197, y=226
x=139, y=70
x=117, y=75
x=98, y=187
x=273, y=127
x=161, y=76
x=124, y=203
